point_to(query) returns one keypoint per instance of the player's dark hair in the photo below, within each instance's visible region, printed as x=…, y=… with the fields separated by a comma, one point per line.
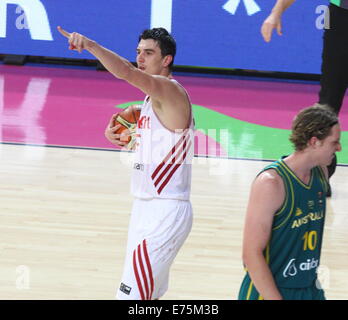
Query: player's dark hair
x=314, y=121
x=165, y=41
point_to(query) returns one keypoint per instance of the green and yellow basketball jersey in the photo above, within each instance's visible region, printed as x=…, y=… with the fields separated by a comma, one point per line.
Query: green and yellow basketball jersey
x=340, y=3
x=293, y=251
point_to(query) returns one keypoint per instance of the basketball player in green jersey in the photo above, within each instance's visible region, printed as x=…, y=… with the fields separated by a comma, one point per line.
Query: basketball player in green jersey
x=286, y=211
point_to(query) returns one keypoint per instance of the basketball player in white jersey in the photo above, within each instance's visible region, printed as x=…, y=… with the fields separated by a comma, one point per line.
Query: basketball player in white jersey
x=161, y=217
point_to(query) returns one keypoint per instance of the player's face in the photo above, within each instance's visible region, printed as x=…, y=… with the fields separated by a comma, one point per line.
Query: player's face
x=330, y=145
x=149, y=57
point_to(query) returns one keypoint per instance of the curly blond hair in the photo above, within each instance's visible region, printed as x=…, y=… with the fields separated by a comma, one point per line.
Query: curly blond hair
x=314, y=121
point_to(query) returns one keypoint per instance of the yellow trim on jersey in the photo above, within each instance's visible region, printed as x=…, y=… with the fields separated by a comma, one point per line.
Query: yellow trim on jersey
x=280, y=211
x=307, y=186
x=251, y=282
x=249, y=290
x=292, y=202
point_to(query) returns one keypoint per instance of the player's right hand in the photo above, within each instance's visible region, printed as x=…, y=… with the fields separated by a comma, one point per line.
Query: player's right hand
x=77, y=41
x=110, y=134
x=271, y=22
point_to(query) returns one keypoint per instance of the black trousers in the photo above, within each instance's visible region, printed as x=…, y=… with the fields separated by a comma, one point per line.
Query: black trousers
x=334, y=68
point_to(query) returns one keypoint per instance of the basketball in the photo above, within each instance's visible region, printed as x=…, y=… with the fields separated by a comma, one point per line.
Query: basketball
x=128, y=120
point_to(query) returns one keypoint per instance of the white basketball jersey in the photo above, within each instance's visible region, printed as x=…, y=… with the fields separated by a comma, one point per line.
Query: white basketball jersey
x=163, y=158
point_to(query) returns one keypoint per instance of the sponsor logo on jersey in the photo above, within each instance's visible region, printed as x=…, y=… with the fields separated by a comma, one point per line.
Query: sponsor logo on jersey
x=298, y=212
x=292, y=269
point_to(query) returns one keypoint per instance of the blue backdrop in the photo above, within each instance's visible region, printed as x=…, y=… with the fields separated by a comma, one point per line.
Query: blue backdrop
x=209, y=33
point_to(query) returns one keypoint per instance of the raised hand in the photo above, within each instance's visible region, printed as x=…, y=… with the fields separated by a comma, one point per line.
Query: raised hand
x=77, y=41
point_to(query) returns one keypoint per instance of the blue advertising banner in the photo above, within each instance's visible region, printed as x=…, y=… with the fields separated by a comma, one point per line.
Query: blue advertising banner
x=209, y=33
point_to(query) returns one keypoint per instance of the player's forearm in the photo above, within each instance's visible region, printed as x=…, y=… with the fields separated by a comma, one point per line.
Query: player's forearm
x=281, y=6
x=117, y=65
x=261, y=276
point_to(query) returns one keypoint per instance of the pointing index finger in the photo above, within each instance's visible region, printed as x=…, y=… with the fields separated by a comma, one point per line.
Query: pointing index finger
x=63, y=32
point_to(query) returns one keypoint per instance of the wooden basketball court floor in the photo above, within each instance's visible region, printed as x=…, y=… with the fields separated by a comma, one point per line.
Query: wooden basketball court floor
x=64, y=207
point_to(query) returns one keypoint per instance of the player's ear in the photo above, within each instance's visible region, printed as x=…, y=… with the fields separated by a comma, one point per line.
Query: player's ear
x=167, y=60
x=314, y=142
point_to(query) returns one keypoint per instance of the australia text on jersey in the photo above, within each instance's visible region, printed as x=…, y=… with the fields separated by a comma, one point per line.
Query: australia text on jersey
x=312, y=216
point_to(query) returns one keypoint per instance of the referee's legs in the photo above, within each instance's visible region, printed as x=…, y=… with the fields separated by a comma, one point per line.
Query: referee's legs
x=334, y=77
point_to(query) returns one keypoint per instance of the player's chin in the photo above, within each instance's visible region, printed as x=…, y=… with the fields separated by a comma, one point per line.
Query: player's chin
x=331, y=158
x=327, y=162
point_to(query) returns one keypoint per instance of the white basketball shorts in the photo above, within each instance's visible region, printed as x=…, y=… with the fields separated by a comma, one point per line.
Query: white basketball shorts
x=157, y=230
